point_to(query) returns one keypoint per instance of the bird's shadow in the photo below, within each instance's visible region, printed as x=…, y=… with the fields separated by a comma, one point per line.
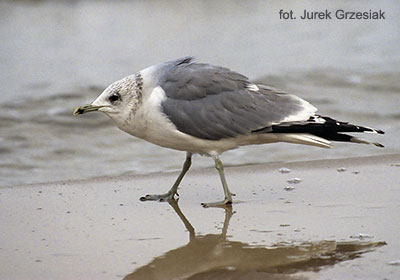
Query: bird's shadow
x=213, y=256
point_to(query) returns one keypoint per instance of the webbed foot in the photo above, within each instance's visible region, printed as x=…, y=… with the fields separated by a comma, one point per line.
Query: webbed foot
x=160, y=197
x=222, y=203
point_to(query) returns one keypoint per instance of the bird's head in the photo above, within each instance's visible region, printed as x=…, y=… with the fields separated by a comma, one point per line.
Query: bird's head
x=118, y=100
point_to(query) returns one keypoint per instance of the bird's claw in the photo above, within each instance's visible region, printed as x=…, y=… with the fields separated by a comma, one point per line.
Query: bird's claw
x=223, y=203
x=160, y=197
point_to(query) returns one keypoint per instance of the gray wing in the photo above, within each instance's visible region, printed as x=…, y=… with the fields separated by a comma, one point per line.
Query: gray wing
x=213, y=103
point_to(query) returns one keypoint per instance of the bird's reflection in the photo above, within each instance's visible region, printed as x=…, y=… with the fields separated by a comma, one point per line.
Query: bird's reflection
x=212, y=256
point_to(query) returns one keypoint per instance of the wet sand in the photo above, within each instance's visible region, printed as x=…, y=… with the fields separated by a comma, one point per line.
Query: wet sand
x=341, y=221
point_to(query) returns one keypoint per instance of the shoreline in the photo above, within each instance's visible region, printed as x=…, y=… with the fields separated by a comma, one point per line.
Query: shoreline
x=318, y=163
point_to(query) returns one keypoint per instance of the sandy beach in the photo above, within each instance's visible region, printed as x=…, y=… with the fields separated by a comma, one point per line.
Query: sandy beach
x=341, y=221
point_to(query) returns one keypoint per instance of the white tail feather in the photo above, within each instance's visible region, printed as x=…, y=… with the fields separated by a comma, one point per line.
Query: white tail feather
x=305, y=139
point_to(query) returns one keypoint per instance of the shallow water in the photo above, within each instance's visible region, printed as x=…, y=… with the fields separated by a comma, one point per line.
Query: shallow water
x=58, y=55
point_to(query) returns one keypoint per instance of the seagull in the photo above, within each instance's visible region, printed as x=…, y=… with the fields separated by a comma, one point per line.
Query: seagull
x=204, y=109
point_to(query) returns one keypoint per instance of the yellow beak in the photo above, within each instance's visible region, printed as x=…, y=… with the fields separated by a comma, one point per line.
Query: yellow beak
x=86, y=108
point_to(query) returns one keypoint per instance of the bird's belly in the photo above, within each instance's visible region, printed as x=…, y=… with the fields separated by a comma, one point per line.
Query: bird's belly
x=180, y=141
x=168, y=136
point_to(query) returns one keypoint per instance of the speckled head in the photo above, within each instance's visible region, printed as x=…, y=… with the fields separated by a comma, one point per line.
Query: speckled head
x=120, y=99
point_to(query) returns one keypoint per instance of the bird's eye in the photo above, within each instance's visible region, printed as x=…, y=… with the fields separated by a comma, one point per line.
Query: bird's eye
x=114, y=97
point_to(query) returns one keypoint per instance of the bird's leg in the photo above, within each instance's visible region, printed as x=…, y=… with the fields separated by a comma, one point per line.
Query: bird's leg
x=174, y=190
x=228, y=195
